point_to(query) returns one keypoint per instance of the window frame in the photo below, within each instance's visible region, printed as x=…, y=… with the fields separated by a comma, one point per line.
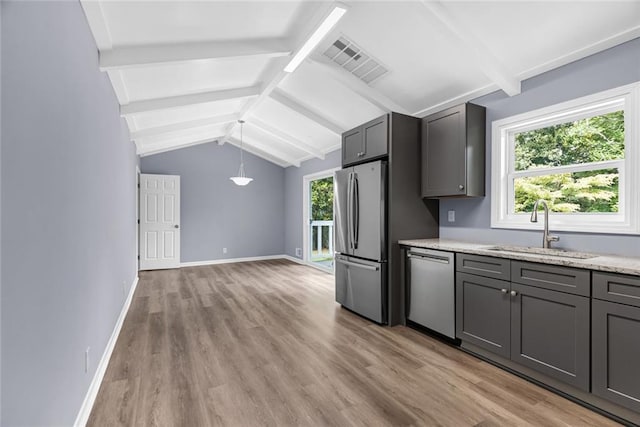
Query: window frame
x=503, y=173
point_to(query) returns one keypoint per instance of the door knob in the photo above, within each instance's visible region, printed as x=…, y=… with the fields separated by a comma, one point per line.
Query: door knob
x=461, y=187
x=176, y=226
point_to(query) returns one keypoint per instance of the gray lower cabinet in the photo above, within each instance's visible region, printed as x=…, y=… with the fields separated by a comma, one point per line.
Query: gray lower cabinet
x=550, y=333
x=615, y=339
x=534, y=326
x=483, y=312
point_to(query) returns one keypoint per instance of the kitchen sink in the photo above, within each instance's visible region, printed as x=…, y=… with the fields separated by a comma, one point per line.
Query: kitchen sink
x=560, y=253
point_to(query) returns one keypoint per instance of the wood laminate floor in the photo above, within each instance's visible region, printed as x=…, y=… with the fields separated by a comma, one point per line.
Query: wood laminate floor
x=264, y=343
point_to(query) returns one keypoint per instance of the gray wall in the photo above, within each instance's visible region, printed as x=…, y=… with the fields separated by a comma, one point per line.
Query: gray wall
x=614, y=67
x=1, y=5
x=216, y=213
x=68, y=211
x=293, y=197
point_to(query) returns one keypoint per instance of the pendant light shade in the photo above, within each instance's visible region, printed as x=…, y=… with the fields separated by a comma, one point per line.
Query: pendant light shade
x=241, y=179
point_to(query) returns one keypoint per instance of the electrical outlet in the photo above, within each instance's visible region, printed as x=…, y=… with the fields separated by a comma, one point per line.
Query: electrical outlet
x=224, y=250
x=451, y=216
x=86, y=360
x=298, y=252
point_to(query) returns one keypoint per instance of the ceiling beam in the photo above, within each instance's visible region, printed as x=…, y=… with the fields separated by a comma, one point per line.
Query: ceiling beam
x=184, y=100
x=149, y=149
x=278, y=73
x=148, y=55
x=267, y=153
x=97, y=23
x=456, y=100
x=490, y=65
x=119, y=87
x=284, y=99
x=274, y=76
x=285, y=137
x=351, y=82
x=176, y=127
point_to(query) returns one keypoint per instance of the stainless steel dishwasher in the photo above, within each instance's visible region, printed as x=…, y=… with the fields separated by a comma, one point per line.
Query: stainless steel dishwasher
x=431, y=290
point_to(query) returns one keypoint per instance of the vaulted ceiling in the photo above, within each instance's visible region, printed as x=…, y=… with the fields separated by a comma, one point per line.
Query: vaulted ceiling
x=185, y=72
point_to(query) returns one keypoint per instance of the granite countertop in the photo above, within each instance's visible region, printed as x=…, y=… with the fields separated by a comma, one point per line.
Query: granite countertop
x=600, y=262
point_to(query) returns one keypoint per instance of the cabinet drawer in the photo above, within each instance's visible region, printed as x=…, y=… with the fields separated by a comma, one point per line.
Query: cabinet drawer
x=496, y=268
x=552, y=277
x=616, y=288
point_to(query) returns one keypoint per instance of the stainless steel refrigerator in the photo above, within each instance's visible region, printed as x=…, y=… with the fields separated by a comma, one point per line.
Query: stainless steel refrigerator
x=360, y=239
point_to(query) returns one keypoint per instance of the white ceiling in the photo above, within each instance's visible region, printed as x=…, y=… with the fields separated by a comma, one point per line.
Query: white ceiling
x=185, y=72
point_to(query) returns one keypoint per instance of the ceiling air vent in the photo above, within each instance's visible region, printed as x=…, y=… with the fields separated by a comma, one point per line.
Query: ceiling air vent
x=349, y=56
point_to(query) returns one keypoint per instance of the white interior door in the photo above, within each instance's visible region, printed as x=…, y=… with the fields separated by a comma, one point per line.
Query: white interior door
x=159, y=221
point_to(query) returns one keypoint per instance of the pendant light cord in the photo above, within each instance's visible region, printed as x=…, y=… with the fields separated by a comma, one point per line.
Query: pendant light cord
x=241, y=149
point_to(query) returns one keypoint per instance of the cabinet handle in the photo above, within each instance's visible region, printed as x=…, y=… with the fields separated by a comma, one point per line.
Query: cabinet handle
x=514, y=293
x=461, y=187
x=504, y=291
x=360, y=154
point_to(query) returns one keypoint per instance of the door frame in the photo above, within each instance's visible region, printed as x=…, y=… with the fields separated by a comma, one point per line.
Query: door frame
x=137, y=252
x=306, y=209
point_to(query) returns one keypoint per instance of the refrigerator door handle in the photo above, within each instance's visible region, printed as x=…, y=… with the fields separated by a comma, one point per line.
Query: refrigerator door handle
x=352, y=225
x=356, y=203
x=349, y=209
x=355, y=264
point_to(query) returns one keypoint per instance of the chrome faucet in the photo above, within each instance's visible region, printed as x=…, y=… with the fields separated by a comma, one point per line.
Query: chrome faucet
x=546, y=237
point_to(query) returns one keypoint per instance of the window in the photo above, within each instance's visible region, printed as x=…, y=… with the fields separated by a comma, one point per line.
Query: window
x=581, y=156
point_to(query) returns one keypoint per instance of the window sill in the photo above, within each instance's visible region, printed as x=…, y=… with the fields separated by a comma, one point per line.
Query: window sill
x=571, y=226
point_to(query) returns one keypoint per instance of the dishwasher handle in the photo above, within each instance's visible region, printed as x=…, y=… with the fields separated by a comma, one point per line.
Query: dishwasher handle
x=428, y=257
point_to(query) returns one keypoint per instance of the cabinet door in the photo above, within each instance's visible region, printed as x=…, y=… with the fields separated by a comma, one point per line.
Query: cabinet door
x=483, y=312
x=444, y=153
x=550, y=333
x=375, y=134
x=616, y=353
x=352, y=146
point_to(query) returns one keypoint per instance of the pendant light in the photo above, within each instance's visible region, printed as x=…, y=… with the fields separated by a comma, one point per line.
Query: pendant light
x=241, y=179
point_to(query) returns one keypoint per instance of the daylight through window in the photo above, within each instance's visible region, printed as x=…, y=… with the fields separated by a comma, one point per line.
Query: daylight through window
x=579, y=156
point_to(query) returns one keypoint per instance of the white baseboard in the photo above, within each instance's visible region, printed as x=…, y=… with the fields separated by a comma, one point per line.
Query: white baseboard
x=294, y=259
x=230, y=260
x=92, y=393
x=308, y=264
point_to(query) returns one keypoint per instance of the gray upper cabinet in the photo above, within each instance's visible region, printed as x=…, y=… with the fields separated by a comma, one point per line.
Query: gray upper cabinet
x=351, y=146
x=366, y=142
x=615, y=344
x=453, y=152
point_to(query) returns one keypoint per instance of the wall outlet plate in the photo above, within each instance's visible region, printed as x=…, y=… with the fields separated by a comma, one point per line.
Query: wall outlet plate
x=224, y=250
x=299, y=252
x=451, y=216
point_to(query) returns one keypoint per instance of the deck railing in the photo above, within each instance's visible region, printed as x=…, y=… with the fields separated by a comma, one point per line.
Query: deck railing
x=321, y=248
